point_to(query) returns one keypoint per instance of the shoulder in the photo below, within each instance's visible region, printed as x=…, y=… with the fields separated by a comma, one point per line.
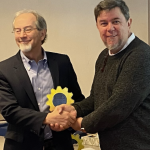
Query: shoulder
x=57, y=56
x=139, y=45
x=141, y=48
x=139, y=41
x=102, y=56
x=136, y=50
x=6, y=67
x=136, y=55
x=8, y=62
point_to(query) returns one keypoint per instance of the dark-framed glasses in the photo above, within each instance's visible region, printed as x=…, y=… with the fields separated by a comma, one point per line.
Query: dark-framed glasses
x=25, y=30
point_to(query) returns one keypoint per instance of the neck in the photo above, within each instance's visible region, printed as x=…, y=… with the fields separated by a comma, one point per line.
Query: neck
x=114, y=51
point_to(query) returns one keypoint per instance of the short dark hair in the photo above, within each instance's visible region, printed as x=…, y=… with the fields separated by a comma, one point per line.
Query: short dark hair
x=40, y=21
x=110, y=4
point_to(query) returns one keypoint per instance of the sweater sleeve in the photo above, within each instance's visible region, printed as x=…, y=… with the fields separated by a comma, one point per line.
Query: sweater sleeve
x=130, y=91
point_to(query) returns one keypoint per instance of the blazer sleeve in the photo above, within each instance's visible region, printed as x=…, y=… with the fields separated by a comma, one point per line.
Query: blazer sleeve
x=14, y=114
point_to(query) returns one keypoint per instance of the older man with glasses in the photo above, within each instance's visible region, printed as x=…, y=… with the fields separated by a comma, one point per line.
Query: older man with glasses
x=25, y=80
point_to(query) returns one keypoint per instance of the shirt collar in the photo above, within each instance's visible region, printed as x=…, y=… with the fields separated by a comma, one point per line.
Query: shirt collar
x=24, y=58
x=130, y=39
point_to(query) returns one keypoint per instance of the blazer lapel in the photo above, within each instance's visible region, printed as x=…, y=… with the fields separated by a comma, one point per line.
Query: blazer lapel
x=53, y=66
x=24, y=80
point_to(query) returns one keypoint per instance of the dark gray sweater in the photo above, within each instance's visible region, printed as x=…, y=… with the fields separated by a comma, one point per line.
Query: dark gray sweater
x=118, y=107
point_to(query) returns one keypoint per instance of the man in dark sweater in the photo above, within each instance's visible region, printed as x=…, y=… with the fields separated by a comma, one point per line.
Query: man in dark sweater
x=118, y=107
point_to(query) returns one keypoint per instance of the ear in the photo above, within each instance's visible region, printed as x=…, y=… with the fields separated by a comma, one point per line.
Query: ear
x=43, y=34
x=129, y=23
x=96, y=24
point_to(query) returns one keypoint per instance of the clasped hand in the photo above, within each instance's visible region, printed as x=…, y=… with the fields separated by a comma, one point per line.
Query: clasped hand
x=63, y=117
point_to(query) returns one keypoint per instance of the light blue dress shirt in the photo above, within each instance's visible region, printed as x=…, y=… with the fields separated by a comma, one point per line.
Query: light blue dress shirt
x=42, y=83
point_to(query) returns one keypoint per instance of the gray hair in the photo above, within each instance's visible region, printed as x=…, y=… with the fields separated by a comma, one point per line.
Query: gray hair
x=40, y=21
x=110, y=4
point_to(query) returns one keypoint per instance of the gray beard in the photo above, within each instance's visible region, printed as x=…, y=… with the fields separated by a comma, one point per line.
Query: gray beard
x=115, y=46
x=25, y=47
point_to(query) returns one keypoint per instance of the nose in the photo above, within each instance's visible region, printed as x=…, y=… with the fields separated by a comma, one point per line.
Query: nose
x=23, y=34
x=110, y=27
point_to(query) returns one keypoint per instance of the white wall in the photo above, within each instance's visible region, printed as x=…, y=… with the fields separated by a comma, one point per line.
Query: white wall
x=71, y=30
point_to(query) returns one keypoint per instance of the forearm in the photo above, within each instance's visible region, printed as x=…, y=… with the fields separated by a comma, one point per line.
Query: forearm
x=84, y=107
x=15, y=111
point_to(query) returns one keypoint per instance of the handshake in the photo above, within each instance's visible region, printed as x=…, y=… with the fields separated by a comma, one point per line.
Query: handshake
x=63, y=117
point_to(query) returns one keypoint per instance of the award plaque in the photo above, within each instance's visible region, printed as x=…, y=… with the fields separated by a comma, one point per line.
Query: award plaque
x=58, y=97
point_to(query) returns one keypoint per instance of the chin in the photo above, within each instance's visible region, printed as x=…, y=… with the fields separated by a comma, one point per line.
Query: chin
x=112, y=46
x=25, y=48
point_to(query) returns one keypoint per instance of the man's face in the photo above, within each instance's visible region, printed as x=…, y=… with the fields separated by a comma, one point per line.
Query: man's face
x=113, y=28
x=28, y=41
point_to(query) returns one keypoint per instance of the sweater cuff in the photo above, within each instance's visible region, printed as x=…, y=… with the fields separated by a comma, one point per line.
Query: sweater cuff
x=77, y=108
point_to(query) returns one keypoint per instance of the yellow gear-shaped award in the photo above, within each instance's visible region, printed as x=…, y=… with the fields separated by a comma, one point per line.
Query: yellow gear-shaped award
x=58, y=97
x=79, y=141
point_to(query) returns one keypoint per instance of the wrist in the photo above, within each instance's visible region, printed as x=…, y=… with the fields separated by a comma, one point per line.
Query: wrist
x=82, y=128
x=47, y=119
